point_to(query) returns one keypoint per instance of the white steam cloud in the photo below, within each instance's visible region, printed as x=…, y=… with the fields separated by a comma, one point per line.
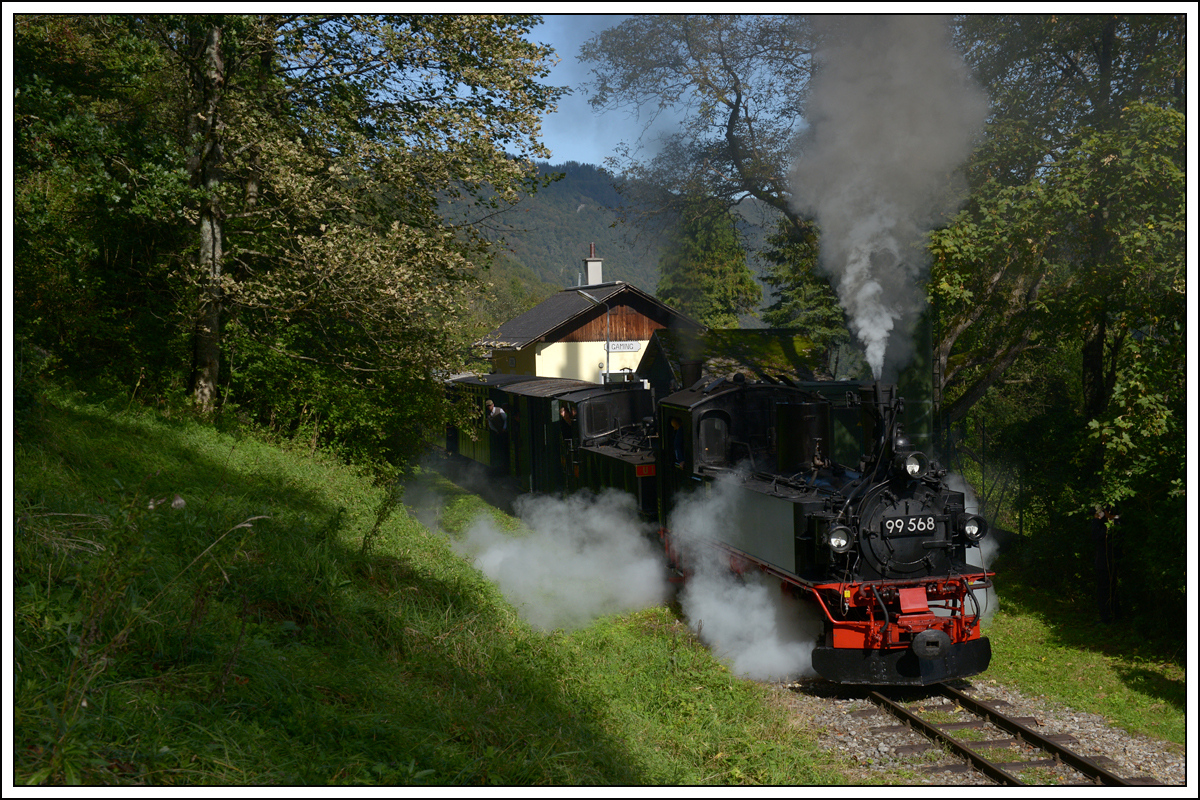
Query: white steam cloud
x=891, y=114
x=746, y=620
x=587, y=556
x=584, y=557
x=981, y=556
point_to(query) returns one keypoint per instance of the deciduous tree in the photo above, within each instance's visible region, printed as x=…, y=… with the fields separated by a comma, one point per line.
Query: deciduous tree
x=322, y=144
x=736, y=81
x=1074, y=237
x=1040, y=217
x=299, y=165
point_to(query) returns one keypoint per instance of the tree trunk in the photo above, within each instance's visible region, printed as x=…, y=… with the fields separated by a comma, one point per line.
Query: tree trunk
x=208, y=79
x=1099, y=373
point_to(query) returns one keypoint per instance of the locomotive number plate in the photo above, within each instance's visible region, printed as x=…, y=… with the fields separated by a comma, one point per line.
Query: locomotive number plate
x=908, y=526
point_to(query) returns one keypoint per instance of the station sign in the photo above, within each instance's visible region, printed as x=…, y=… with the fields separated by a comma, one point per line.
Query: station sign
x=624, y=347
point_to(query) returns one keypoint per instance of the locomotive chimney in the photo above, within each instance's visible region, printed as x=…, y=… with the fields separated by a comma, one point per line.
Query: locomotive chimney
x=690, y=368
x=591, y=266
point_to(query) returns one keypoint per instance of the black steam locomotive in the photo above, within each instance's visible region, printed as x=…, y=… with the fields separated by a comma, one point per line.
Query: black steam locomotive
x=829, y=496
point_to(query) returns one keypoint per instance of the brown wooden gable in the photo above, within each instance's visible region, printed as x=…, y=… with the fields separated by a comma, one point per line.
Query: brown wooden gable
x=632, y=319
x=569, y=317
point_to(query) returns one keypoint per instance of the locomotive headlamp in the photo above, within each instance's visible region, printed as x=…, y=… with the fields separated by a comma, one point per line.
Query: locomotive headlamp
x=839, y=538
x=973, y=527
x=914, y=465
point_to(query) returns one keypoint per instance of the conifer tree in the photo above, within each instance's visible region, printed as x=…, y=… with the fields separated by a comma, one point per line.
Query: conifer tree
x=704, y=272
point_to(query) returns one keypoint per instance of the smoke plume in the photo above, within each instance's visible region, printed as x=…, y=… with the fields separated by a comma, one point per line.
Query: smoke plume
x=891, y=114
x=585, y=556
x=746, y=620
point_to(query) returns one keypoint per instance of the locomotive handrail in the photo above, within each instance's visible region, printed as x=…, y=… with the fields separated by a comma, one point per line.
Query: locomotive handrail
x=887, y=618
x=821, y=600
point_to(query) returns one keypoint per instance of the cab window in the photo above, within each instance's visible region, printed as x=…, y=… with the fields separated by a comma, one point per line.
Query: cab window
x=714, y=439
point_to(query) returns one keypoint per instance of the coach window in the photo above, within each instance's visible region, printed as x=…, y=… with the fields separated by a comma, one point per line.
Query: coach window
x=599, y=418
x=714, y=438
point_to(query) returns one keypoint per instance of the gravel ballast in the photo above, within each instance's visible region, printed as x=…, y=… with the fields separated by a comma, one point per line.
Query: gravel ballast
x=828, y=710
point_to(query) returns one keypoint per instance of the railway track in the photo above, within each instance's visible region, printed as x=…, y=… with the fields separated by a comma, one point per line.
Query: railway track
x=1007, y=750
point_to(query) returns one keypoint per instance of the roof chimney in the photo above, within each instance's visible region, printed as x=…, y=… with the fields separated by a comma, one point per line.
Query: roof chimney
x=592, y=267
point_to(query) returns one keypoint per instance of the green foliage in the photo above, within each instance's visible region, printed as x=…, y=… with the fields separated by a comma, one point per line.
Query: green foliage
x=1143, y=430
x=343, y=239
x=99, y=184
x=1086, y=109
x=1145, y=460
x=301, y=160
x=1099, y=235
x=1059, y=72
x=704, y=274
x=384, y=417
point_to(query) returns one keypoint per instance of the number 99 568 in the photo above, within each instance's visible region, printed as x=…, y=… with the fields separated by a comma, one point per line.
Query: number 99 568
x=908, y=525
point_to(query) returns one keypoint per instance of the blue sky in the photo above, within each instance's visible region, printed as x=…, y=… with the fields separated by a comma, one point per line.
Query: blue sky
x=574, y=132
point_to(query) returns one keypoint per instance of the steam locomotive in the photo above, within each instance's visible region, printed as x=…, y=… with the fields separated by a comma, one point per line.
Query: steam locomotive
x=828, y=495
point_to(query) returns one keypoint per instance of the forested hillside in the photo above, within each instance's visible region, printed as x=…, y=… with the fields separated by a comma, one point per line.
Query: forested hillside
x=550, y=231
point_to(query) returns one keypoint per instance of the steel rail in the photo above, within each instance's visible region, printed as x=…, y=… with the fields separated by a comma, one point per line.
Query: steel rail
x=1068, y=757
x=988, y=768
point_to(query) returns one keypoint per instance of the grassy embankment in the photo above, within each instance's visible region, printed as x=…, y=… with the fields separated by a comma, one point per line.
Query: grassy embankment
x=1052, y=645
x=249, y=636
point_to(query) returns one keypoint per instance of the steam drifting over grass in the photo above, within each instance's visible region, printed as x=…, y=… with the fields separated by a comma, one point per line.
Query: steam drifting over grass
x=759, y=631
x=584, y=557
x=587, y=556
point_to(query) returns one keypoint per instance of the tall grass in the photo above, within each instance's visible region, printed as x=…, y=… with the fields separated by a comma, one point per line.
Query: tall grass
x=197, y=607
